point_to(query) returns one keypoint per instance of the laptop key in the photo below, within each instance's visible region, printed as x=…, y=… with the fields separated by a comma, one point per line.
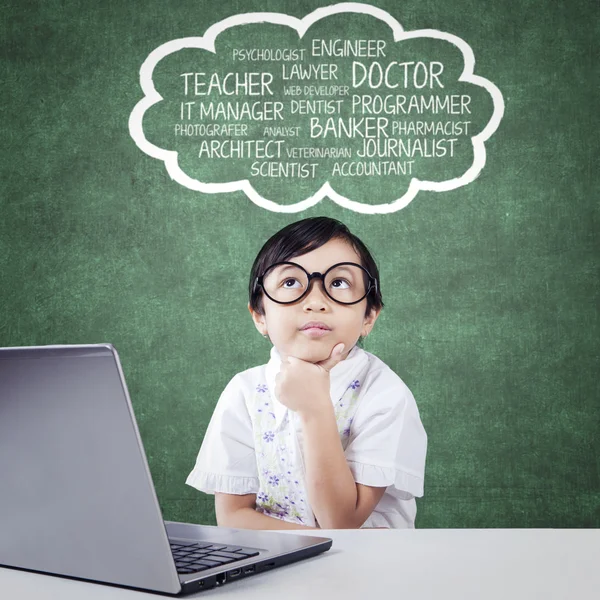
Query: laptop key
x=214, y=559
x=231, y=549
x=207, y=564
x=222, y=560
x=232, y=555
x=247, y=553
x=198, y=567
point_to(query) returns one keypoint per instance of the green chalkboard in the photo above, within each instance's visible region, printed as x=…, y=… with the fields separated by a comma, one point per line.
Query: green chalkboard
x=491, y=287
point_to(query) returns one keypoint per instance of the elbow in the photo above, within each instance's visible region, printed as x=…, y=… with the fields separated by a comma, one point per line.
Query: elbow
x=223, y=520
x=227, y=518
x=340, y=520
x=341, y=513
x=230, y=508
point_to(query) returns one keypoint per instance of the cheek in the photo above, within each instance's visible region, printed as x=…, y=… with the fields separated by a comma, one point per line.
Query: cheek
x=354, y=320
x=280, y=323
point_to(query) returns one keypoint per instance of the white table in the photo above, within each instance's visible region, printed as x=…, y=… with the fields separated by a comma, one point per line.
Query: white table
x=449, y=564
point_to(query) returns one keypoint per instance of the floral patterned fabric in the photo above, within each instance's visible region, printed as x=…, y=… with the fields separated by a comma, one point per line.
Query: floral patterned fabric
x=279, y=454
x=254, y=444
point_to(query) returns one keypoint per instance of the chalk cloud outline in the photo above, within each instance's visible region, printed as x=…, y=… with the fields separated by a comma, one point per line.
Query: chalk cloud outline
x=207, y=42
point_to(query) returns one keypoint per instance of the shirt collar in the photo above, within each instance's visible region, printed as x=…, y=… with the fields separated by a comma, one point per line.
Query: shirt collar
x=341, y=376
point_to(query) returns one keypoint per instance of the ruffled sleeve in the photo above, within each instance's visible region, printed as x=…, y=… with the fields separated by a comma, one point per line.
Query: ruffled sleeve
x=388, y=443
x=226, y=462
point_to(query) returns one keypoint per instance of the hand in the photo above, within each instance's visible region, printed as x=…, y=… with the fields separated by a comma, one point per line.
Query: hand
x=304, y=386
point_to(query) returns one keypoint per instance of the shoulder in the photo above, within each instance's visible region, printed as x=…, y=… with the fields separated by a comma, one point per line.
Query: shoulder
x=383, y=395
x=247, y=382
x=381, y=380
x=239, y=392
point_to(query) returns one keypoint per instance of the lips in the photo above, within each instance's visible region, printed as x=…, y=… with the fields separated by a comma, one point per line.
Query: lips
x=315, y=325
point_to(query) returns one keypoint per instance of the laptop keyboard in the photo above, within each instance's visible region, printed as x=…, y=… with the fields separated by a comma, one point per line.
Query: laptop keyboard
x=193, y=557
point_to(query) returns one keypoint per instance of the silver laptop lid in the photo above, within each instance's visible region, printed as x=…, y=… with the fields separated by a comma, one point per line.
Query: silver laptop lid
x=76, y=495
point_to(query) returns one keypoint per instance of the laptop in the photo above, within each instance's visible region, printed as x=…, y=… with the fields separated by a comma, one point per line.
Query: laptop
x=76, y=495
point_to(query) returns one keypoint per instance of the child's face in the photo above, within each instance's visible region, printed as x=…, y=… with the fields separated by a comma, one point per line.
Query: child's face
x=283, y=323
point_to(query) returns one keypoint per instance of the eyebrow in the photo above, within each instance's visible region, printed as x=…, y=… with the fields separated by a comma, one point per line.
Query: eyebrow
x=287, y=267
x=282, y=269
x=343, y=268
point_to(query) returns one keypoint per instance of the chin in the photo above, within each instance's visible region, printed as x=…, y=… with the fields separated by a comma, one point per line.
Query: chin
x=315, y=354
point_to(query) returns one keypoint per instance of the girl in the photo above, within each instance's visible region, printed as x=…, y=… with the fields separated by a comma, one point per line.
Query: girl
x=325, y=434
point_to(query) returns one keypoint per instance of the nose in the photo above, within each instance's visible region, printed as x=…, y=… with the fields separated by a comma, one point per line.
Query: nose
x=316, y=299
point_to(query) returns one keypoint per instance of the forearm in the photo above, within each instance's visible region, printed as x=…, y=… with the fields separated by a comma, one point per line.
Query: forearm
x=331, y=486
x=248, y=518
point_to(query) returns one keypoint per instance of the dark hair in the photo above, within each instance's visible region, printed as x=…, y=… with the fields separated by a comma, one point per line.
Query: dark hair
x=301, y=237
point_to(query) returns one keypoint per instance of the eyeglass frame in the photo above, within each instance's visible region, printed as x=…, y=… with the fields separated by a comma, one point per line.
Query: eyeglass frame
x=316, y=275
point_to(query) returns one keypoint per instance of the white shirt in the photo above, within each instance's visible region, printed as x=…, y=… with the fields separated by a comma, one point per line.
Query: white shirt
x=253, y=444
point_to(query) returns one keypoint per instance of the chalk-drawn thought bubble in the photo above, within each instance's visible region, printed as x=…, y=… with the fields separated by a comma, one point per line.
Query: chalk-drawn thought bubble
x=342, y=104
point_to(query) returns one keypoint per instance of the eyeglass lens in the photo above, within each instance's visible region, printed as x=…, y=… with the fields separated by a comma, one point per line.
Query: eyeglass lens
x=287, y=283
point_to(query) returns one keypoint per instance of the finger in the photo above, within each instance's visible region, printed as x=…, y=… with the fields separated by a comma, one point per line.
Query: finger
x=335, y=357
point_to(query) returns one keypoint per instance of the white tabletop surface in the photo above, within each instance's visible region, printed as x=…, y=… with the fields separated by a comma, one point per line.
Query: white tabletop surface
x=461, y=564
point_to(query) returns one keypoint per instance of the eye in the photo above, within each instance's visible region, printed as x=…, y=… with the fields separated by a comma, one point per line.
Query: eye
x=340, y=284
x=289, y=283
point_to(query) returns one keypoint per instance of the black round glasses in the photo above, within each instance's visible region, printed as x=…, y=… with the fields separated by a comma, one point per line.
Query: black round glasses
x=288, y=282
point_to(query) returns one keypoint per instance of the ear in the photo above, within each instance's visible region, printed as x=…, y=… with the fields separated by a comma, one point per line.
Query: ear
x=259, y=321
x=369, y=321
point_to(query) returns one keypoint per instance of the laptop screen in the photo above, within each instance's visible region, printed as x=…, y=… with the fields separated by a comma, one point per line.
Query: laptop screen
x=76, y=493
